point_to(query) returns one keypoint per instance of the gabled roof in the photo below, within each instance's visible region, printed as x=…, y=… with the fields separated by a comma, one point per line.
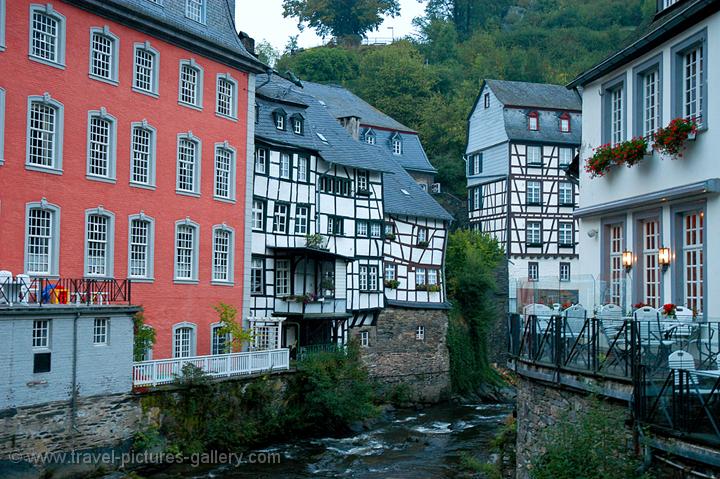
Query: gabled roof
x=217, y=38
x=534, y=95
x=667, y=24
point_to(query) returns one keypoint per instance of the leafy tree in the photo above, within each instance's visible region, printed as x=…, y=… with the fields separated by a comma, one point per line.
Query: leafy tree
x=334, y=65
x=266, y=53
x=143, y=336
x=343, y=19
x=230, y=327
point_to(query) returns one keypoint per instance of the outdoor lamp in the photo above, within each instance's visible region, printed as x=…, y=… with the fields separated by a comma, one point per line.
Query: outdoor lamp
x=627, y=260
x=664, y=257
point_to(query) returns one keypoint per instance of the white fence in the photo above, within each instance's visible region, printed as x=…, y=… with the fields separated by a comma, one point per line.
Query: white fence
x=165, y=371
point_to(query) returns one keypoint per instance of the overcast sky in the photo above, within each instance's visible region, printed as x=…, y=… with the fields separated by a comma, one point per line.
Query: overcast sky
x=263, y=20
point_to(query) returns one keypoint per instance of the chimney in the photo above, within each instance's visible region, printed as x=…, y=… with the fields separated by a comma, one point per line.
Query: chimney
x=248, y=42
x=352, y=125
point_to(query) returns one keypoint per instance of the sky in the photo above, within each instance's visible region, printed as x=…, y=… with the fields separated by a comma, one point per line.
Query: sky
x=263, y=20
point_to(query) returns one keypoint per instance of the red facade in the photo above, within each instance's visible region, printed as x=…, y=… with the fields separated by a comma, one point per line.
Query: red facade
x=166, y=302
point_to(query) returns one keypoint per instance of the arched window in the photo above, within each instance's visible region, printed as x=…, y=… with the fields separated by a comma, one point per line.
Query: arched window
x=102, y=140
x=44, y=134
x=226, y=102
x=223, y=258
x=189, y=152
x=104, y=55
x=190, y=87
x=146, y=70
x=184, y=340
x=186, y=251
x=141, y=246
x=99, y=242
x=47, y=35
x=42, y=238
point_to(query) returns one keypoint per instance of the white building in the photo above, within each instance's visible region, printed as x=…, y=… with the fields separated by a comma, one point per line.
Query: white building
x=670, y=71
x=522, y=137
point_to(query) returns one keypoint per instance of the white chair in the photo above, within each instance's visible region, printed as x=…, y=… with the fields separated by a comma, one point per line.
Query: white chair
x=5, y=287
x=682, y=360
x=24, y=281
x=575, y=317
x=684, y=314
x=542, y=312
x=648, y=322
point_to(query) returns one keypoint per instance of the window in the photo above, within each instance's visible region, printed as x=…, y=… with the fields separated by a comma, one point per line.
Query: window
x=390, y=272
x=566, y=194
x=564, y=271
x=226, y=103
x=432, y=276
x=146, y=69
x=223, y=246
x=361, y=178
x=285, y=165
x=224, y=172
x=534, y=155
x=420, y=277
x=188, y=164
x=100, y=330
x=650, y=94
x=533, y=121
x=47, y=35
x=332, y=185
x=375, y=230
x=257, y=276
x=397, y=146
x=297, y=122
x=103, y=55
x=44, y=134
x=302, y=173
x=693, y=276
x=362, y=228
x=420, y=333
x=336, y=226
x=195, y=10
x=190, y=85
x=533, y=271
x=282, y=277
x=689, y=99
x=184, y=342
x=534, y=233
x=476, y=164
x=102, y=139
x=258, y=215
x=42, y=240
x=477, y=198
x=302, y=214
x=370, y=137
x=364, y=339
x=566, y=156
x=486, y=100
x=186, y=251
x=220, y=342
x=279, y=117
x=280, y=223
x=565, y=234
x=565, y=123
x=260, y=161
x=389, y=229
x=533, y=195
x=613, y=105
x=615, y=270
x=650, y=237
x=99, y=244
x=41, y=333
x=368, y=278
x=140, y=247
x=142, y=154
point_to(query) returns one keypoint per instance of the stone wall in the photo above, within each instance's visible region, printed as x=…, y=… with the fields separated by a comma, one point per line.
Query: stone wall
x=395, y=356
x=497, y=332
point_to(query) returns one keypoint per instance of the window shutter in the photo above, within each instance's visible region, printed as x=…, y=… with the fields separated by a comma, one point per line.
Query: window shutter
x=470, y=160
x=479, y=159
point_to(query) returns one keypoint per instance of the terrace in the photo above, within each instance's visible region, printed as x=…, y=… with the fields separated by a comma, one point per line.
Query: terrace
x=24, y=291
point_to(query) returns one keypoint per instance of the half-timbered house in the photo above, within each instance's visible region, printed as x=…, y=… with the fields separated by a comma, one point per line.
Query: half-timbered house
x=521, y=139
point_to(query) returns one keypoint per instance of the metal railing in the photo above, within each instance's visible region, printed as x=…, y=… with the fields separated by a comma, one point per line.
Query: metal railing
x=165, y=371
x=21, y=290
x=306, y=351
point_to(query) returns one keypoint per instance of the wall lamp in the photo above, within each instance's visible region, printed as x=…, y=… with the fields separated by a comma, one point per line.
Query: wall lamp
x=664, y=258
x=627, y=260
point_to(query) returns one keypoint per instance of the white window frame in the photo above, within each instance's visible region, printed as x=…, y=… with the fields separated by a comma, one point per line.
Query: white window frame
x=680, y=104
x=390, y=271
x=154, y=90
x=531, y=230
x=565, y=157
x=225, y=147
x=303, y=164
x=375, y=229
x=285, y=218
x=229, y=274
x=109, y=242
x=370, y=138
x=420, y=276
x=420, y=333
x=285, y=168
x=144, y=125
x=364, y=339
x=191, y=328
x=219, y=344
x=193, y=278
x=650, y=230
x=298, y=127
x=422, y=234
x=564, y=272
x=533, y=121
x=533, y=271
x=302, y=220
x=565, y=125
x=694, y=259
x=203, y=11
x=101, y=331
x=60, y=39
x=57, y=147
x=397, y=146
x=285, y=277
x=254, y=262
x=114, y=55
x=233, y=100
x=258, y=217
x=53, y=242
x=362, y=228
x=41, y=333
x=533, y=192
x=566, y=228
x=650, y=93
x=432, y=276
x=149, y=248
x=195, y=191
x=536, y=160
x=199, y=78
x=566, y=193
x=363, y=180
x=477, y=198
x=102, y=115
x=261, y=158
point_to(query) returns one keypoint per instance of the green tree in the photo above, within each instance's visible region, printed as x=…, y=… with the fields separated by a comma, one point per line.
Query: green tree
x=231, y=328
x=324, y=65
x=266, y=53
x=143, y=336
x=343, y=19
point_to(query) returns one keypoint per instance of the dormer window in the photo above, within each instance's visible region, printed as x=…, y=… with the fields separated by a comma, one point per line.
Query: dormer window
x=533, y=122
x=298, y=126
x=279, y=118
x=565, y=123
x=396, y=143
x=370, y=137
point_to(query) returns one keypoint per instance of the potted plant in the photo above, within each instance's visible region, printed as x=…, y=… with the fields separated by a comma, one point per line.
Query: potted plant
x=671, y=139
x=390, y=236
x=669, y=310
x=392, y=283
x=628, y=153
x=421, y=287
x=433, y=288
x=328, y=286
x=423, y=244
x=314, y=241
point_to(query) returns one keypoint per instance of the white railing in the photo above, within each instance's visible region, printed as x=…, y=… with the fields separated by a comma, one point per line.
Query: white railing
x=165, y=371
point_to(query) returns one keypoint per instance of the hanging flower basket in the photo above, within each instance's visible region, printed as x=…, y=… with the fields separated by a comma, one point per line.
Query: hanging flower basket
x=628, y=153
x=671, y=139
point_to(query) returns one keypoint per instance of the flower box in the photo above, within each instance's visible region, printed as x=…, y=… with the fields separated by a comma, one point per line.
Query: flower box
x=628, y=153
x=671, y=139
x=392, y=283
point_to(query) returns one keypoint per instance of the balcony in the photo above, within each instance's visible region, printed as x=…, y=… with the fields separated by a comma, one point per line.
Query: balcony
x=21, y=290
x=310, y=306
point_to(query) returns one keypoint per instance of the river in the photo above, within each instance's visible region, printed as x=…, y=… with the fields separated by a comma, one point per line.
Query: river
x=405, y=444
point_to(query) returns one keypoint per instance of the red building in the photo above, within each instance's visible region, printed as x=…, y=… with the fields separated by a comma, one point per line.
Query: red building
x=124, y=140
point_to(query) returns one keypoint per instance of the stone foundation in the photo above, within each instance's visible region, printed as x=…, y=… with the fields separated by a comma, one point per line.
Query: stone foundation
x=395, y=356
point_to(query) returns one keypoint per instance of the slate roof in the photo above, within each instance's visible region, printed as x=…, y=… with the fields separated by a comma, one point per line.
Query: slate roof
x=417, y=304
x=666, y=24
x=216, y=38
x=516, y=126
x=535, y=95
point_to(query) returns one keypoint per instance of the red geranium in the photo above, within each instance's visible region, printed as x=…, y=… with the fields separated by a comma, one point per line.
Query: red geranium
x=669, y=309
x=628, y=153
x=640, y=305
x=671, y=139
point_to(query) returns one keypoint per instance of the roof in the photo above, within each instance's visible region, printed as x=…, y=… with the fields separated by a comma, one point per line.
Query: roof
x=417, y=304
x=667, y=23
x=342, y=103
x=535, y=95
x=516, y=126
x=217, y=38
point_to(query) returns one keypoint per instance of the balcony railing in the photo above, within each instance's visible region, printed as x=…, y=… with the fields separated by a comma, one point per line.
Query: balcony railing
x=23, y=290
x=165, y=371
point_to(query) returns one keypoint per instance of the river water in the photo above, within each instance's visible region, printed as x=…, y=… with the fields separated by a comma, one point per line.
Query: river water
x=421, y=444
